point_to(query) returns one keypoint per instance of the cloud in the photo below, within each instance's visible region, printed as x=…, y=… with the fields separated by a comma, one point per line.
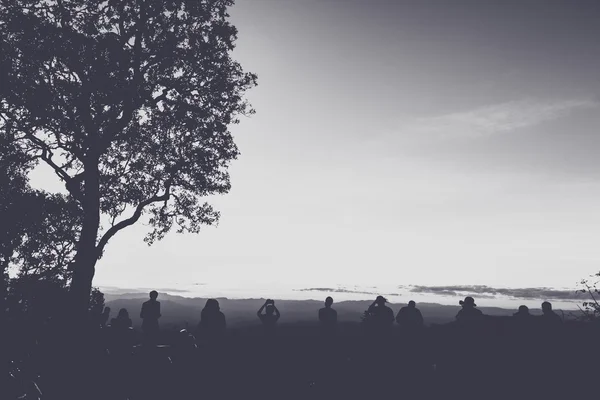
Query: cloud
x=497, y=118
x=343, y=290
x=541, y=293
x=118, y=290
x=332, y=290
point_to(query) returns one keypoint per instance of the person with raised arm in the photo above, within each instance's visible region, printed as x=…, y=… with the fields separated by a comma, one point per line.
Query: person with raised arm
x=270, y=317
x=381, y=317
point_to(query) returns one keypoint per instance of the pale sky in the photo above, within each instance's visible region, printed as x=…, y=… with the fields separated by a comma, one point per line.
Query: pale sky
x=399, y=143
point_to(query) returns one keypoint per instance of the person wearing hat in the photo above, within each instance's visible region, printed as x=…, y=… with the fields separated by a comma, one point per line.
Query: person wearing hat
x=468, y=313
x=382, y=316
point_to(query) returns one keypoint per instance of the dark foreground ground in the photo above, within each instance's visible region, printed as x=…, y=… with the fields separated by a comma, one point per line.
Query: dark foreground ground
x=492, y=361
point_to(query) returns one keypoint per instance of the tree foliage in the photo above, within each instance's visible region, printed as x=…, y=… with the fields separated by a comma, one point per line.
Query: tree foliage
x=39, y=229
x=36, y=298
x=591, y=307
x=129, y=102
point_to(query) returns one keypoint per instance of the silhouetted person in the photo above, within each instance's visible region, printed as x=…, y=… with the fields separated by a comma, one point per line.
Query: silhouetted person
x=524, y=323
x=409, y=317
x=270, y=317
x=381, y=316
x=122, y=321
x=328, y=317
x=212, y=320
x=522, y=315
x=549, y=317
x=122, y=334
x=150, y=314
x=468, y=313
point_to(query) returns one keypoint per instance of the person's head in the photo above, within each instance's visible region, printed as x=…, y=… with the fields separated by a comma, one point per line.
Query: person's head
x=380, y=300
x=212, y=305
x=106, y=310
x=328, y=301
x=123, y=313
x=153, y=295
x=270, y=309
x=412, y=304
x=546, y=307
x=468, y=302
x=523, y=310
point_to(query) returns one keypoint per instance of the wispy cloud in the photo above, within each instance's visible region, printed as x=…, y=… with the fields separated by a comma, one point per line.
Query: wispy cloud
x=497, y=118
x=540, y=293
x=118, y=290
x=344, y=290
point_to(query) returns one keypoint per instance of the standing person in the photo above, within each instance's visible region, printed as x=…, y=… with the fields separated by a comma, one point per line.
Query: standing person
x=150, y=314
x=328, y=318
x=270, y=317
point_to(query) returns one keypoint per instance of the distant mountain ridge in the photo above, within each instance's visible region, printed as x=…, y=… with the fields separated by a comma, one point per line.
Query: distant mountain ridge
x=178, y=310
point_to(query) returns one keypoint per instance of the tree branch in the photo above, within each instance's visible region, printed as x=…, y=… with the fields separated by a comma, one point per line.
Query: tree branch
x=47, y=157
x=133, y=219
x=131, y=104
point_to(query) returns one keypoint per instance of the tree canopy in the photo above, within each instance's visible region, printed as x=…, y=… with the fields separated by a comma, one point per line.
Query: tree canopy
x=130, y=103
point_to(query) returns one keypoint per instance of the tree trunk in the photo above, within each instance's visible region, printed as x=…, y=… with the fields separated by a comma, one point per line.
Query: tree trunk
x=87, y=253
x=81, y=281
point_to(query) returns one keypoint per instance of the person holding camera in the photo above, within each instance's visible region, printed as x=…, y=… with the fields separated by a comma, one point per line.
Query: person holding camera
x=270, y=317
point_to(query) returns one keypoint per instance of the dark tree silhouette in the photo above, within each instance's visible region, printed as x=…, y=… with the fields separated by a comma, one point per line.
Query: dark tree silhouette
x=129, y=101
x=590, y=308
x=39, y=230
x=41, y=296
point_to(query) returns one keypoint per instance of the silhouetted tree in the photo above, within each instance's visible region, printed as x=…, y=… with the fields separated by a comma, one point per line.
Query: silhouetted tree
x=96, y=301
x=37, y=297
x=39, y=230
x=129, y=101
x=591, y=307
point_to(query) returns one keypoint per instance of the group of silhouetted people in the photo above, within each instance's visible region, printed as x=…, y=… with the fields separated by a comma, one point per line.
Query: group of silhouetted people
x=332, y=355
x=379, y=317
